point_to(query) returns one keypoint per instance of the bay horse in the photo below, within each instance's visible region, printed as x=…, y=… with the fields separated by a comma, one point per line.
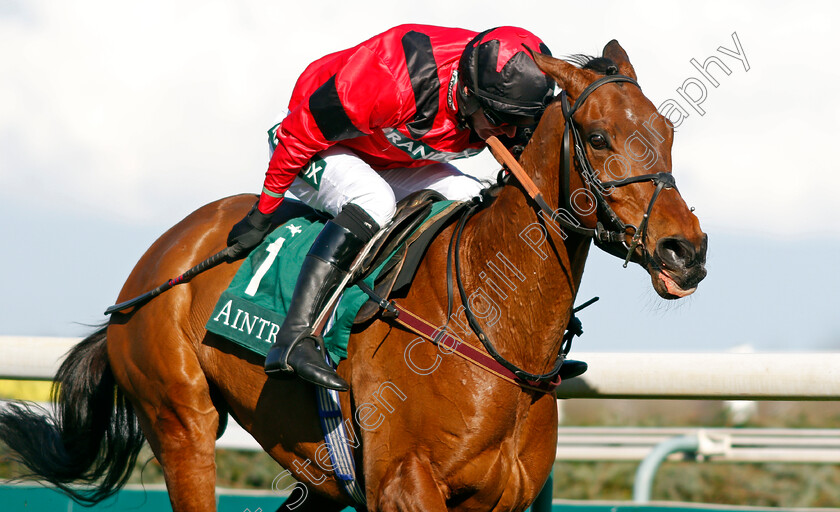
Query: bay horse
x=451, y=437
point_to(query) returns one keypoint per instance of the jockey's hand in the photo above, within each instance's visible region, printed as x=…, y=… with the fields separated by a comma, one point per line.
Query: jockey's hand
x=248, y=232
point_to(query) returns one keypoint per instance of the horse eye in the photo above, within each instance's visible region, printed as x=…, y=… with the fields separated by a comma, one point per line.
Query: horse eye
x=598, y=141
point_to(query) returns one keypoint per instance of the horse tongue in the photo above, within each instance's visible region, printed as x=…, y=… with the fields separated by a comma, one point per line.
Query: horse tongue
x=672, y=287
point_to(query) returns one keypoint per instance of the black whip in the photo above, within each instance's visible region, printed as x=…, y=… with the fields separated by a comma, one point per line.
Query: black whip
x=212, y=261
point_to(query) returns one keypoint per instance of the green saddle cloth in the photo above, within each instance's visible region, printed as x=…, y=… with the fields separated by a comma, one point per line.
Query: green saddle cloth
x=252, y=309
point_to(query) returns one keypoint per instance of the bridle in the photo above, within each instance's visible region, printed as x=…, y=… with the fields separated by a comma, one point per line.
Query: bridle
x=613, y=236
x=610, y=235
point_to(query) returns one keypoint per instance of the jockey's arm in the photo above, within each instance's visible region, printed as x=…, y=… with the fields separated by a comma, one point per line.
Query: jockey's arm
x=360, y=97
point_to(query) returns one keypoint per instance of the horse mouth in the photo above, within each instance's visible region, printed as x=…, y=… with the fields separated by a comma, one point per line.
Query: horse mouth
x=667, y=287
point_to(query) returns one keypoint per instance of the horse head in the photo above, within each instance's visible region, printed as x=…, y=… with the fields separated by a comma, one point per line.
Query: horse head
x=615, y=169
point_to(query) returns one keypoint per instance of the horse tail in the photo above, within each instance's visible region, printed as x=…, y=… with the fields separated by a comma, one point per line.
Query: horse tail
x=92, y=436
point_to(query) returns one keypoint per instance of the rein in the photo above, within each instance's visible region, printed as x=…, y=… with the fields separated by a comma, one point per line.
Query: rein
x=604, y=237
x=519, y=373
x=441, y=336
x=490, y=361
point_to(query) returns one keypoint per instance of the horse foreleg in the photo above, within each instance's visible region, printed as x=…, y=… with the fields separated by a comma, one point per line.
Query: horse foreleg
x=410, y=486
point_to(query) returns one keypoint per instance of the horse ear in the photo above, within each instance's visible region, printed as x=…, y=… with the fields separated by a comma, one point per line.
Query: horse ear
x=567, y=76
x=616, y=53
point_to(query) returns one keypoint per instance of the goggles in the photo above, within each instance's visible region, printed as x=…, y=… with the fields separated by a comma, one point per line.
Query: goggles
x=500, y=118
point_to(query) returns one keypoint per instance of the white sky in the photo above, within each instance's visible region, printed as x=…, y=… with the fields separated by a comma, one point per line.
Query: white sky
x=116, y=108
x=130, y=115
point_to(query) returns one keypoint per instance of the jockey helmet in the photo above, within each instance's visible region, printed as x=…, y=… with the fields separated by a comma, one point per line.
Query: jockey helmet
x=500, y=76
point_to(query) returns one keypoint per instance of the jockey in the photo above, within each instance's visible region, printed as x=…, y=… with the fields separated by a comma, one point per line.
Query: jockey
x=371, y=124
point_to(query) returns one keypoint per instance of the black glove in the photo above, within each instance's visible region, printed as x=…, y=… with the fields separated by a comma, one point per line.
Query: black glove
x=248, y=232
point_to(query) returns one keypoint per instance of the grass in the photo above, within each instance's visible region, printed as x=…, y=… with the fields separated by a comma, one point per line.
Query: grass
x=780, y=485
x=772, y=485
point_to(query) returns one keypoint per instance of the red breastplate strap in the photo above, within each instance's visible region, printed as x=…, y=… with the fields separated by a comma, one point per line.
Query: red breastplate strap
x=454, y=345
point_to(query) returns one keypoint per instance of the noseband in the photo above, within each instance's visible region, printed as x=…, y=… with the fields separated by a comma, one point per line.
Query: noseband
x=615, y=232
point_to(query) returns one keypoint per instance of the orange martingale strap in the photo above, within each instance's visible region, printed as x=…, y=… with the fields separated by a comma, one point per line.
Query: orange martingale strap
x=453, y=344
x=503, y=156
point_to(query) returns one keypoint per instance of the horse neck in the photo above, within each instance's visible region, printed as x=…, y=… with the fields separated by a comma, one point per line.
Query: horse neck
x=534, y=303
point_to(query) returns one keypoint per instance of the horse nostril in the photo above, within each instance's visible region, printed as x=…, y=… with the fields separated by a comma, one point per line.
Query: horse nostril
x=675, y=252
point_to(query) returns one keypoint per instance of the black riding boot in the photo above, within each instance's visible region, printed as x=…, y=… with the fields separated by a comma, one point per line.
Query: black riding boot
x=325, y=266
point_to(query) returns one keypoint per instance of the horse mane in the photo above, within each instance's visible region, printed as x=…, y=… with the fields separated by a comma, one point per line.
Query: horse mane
x=600, y=65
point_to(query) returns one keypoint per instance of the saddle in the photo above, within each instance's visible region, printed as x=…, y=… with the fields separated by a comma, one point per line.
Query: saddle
x=387, y=271
x=410, y=234
x=401, y=246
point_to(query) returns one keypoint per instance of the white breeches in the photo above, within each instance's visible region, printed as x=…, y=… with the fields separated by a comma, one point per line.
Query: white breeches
x=337, y=176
